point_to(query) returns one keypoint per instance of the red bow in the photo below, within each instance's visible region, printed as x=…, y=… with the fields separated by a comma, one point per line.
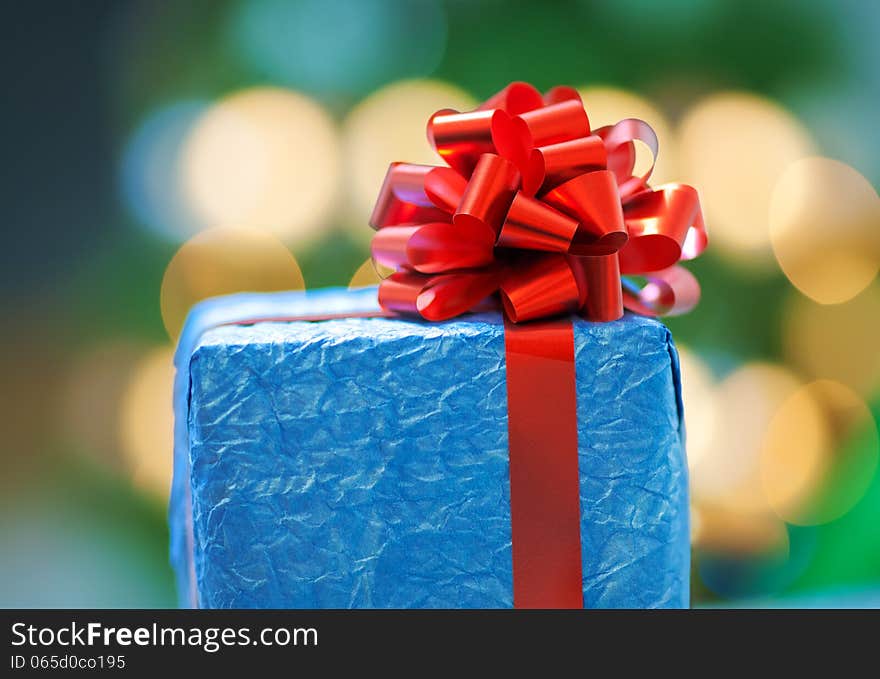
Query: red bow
x=539, y=207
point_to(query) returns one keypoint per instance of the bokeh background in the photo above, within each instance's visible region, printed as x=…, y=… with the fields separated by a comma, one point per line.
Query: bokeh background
x=160, y=152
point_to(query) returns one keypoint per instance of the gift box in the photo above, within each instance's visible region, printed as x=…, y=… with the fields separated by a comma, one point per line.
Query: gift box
x=366, y=462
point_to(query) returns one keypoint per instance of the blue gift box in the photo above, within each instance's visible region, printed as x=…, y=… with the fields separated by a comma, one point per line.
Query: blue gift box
x=363, y=462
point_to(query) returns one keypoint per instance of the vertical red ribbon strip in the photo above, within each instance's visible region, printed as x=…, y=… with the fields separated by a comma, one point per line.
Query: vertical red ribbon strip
x=544, y=479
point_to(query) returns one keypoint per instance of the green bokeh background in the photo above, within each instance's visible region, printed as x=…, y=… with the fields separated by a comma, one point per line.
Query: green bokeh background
x=81, y=270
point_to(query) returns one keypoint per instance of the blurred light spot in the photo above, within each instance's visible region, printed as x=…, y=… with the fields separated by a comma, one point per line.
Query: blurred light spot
x=698, y=394
x=390, y=126
x=725, y=532
x=825, y=229
x=607, y=105
x=843, y=470
x=91, y=401
x=263, y=158
x=146, y=423
x=223, y=261
x=734, y=147
x=696, y=525
x=840, y=341
x=795, y=453
x=746, y=402
x=369, y=273
x=340, y=45
x=152, y=183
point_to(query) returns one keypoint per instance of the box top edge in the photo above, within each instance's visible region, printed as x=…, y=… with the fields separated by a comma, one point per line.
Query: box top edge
x=221, y=319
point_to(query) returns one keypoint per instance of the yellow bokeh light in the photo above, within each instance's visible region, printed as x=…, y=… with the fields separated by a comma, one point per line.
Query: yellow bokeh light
x=746, y=402
x=146, y=421
x=825, y=229
x=263, y=158
x=389, y=126
x=696, y=524
x=795, y=453
x=733, y=147
x=222, y=261
x=369, y=273
x=608, y=105
x=698, y=394
x=725, y=532
x=838, y=341
x=855, y=453
x=806, y=447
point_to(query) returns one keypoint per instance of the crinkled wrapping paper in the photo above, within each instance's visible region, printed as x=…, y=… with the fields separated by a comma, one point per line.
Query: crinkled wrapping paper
x=363, y=462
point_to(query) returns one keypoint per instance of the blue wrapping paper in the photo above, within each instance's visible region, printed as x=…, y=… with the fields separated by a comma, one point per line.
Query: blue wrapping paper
x=363, y=462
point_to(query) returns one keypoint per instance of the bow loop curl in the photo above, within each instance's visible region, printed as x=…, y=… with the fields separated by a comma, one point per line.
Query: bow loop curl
x=535, y=206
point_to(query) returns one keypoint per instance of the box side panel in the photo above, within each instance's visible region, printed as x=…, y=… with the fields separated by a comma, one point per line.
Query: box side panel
x=634, y=502
x=362, y=469
x=203, y=317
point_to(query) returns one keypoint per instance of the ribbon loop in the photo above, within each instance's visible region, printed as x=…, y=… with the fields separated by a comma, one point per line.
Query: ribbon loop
x=431, y=248
x=537, y=207
x=436, y=298
x=554, y=164
x=532, y=225
x=488, y=195
x=544, y=287
x=461, y=138
x=671, y=292
x=556, y=123
x=660, y=222
x=445, y=187
x=619, y=140
x=593, y=200
x=561, y=93
x=402, y=198
x=518, y=97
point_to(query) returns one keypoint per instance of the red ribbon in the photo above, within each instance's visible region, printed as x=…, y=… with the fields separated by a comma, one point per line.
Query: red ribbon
x=545, y=517
x=538, y=207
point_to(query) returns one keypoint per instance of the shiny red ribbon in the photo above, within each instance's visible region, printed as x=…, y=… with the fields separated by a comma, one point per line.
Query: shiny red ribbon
x=545, y=517
x=536, y=206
